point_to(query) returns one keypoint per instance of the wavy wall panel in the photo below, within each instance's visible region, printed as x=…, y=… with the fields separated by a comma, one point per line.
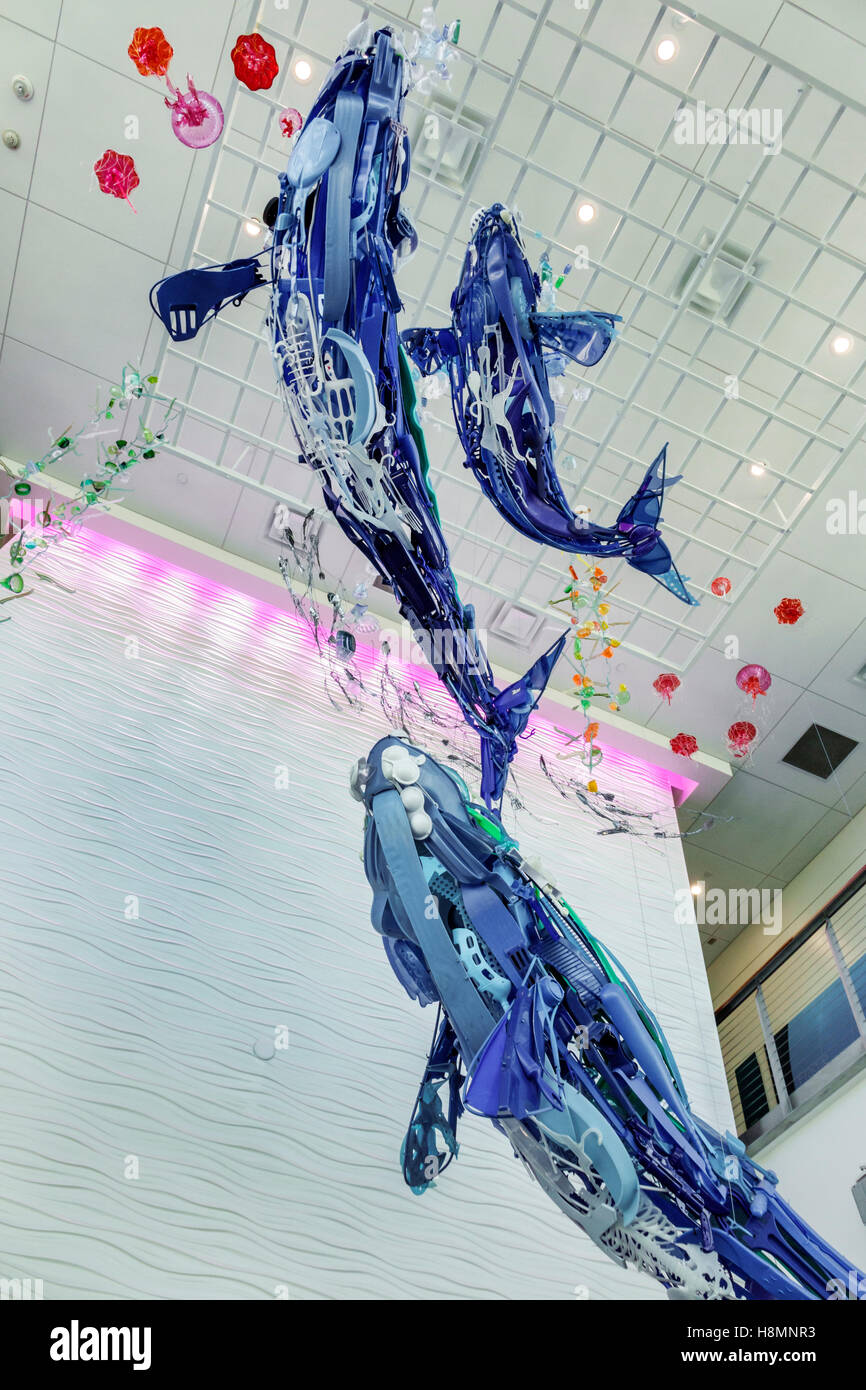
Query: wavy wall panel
x=167, y=904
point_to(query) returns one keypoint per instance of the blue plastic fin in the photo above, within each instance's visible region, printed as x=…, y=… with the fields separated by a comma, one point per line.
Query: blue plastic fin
x=583, y=336
x=511, y=1075
x=187, y=300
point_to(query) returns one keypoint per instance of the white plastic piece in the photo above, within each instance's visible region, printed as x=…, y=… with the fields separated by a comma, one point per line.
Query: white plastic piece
x=420, y=824
x=398, y=765
x=412, y=798
x=358, y=777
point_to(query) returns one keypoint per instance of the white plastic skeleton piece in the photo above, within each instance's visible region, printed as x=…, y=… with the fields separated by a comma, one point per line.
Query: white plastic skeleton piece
x=494, y=402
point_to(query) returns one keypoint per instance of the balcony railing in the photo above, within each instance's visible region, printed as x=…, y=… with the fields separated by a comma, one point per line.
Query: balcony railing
x=797, y=1029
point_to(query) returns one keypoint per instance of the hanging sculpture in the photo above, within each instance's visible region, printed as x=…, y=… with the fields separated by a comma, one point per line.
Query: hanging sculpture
x=196, y=117
x=497, y=351
x=540, y=1029
x=545, y=1034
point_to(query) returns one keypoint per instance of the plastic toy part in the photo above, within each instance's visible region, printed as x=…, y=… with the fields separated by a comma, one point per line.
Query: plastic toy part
x=755, y=680
x=255, y=62
x=196, y=117
x=684, y=744
x=542, y=1031
x=116, y=174
x=500, y=352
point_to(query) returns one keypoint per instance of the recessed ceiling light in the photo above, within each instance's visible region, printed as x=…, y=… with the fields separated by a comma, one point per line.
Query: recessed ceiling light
x=757, y=470
x=698, y=888
x=667, y=49
x=252, y=227
x=303, y=70
x=841, y=343
x=586, y=212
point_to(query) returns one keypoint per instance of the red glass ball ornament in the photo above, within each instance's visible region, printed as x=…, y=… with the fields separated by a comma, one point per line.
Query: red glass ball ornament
x=789, y=611
x=255, y=62
x=721, y=586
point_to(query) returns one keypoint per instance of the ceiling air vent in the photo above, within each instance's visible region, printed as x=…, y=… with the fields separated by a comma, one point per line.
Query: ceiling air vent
x=720, y=290
x=447, y=142
x=819, y=751
x=519, y=626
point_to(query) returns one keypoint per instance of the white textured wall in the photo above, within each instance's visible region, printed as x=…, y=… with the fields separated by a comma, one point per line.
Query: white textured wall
x=154, y=777
x=819, y=1159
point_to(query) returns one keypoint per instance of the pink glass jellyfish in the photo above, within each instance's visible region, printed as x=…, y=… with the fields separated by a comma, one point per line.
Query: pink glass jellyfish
x=755, y=680
x=666, y=685
x=290, y=122
x=196, y=117
x=740, y=737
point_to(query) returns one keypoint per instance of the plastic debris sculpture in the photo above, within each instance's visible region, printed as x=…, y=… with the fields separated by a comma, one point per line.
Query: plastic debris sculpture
x=542, y=1031
x=539, y=1030
x=498, y=352
x=347, y=386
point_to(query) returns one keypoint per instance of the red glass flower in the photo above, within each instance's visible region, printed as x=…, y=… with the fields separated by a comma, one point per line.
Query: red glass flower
x=290, y=122
x=740, y=735
x=755, y=680
x=116, y=174
x=721, y=586
x=151, y=52
x=255, y=62
x=789, y=610
x=684, y=744
x=666, y=685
